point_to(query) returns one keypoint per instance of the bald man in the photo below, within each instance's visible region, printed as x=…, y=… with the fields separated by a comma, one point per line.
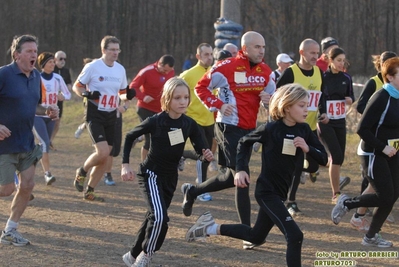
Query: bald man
x=232, y=48
x=60, y=60
x=242, y=83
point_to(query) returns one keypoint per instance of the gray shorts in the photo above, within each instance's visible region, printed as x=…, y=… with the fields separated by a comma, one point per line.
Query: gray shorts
x=17, y=162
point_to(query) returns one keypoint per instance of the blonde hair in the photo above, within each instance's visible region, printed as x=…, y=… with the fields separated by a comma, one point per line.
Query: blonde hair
x=168, y=90
x=285, y=96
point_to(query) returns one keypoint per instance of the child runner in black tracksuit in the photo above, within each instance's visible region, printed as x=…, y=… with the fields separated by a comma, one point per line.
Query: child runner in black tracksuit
x=284, y=142
x=157, y=175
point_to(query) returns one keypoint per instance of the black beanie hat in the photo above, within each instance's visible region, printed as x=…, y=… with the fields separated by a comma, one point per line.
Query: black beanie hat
x=327, y=42
x=43, y=58
x=222, y=54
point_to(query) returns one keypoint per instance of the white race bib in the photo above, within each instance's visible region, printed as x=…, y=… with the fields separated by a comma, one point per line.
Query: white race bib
x=336, y=109
x=176, y=137
x=314, y=98
x=108, y=102
x=288, y=147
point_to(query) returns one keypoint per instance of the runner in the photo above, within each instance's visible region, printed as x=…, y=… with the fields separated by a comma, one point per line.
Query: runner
x=100, y=82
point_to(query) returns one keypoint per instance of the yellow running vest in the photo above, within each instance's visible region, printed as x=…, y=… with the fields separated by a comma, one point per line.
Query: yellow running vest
x=313, y=85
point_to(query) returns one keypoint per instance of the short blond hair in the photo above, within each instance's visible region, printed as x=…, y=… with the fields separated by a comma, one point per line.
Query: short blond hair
x=285, y=96
x=168, y=90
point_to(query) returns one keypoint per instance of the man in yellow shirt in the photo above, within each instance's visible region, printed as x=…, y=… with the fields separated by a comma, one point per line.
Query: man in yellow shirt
x=198, y=111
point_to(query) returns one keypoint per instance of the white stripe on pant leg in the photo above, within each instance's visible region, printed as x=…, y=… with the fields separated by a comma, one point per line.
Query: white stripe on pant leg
x=158, y=214
x=199, y=171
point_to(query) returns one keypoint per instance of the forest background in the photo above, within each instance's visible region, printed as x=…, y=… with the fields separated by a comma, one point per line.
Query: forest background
x=150, y=28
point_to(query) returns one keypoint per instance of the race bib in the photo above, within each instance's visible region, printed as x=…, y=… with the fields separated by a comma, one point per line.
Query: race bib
x=107, y=102
x=314, y=98
x=239, y=77
x=336, y=109
x=51, y=99
x=394, y=143
x=176, y=137
x=288, y=147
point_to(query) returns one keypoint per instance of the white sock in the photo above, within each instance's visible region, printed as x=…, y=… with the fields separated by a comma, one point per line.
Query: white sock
x=212, y=230
x=10, y=225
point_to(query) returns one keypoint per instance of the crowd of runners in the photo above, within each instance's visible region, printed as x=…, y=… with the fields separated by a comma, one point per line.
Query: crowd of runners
x=214, y=104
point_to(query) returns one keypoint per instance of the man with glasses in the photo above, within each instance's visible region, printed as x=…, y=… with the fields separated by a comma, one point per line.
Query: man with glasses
x=148, y=86
x=101, y=81
x=60, y=59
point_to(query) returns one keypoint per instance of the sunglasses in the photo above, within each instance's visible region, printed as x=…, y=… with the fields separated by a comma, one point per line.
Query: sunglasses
x=62, y=58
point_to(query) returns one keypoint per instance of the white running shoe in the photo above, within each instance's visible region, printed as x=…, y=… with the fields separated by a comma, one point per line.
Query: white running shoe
x=79, y=132
x=339, y=209
x=13, y=237
x=128, y=259
x=376, y=241
x=143, y=260
x=197, y=232
x=361, y=223
x=49, y=179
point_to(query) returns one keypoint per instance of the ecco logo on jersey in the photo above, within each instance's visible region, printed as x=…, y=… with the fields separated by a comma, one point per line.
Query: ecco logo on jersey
x=101, y=78
x=256, y=79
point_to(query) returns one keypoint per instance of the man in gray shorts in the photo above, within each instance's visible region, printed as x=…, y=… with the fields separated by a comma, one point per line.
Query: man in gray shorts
x=20, y=100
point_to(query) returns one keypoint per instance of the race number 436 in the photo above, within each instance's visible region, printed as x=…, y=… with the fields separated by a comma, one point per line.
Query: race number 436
x=336, y=109
x=108, y=102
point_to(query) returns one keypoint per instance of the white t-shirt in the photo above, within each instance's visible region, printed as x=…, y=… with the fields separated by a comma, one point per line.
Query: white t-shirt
x=97, y=76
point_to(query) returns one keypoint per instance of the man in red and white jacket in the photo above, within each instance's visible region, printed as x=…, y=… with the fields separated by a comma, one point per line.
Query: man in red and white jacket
x=242, y=83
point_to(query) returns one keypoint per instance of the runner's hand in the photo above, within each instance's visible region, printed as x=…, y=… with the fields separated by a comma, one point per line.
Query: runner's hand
x=241, y=179
x=127, y=174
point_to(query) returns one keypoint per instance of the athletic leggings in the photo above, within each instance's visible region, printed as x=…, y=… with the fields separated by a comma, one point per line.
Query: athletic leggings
x=271, y=212
x=334, y=137
x=227, y=137
x=384, y=177
x=43, y=128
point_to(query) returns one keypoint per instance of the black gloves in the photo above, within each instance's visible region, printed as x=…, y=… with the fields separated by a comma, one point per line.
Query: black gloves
x=91, y=95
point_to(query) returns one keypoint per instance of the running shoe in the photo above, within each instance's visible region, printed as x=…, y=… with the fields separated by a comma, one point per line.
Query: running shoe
x=128, y=259
x=204, y=197
x=79, y=132
x=343, y=181
x=92, y=197
x=182, y=162
x=49, y=179
x=303, y=178
x=188, y=200
x=256, y=146
x=108, y=180
x=293, y=209
x=79, y=180
x=360, y=223
x=143, y=260
x=197, y=232
x=339, y=209
x=376, y=241
x=13, y=237
x=249, y=245
x=313, y=176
